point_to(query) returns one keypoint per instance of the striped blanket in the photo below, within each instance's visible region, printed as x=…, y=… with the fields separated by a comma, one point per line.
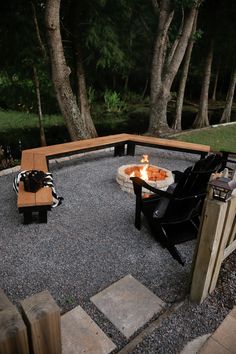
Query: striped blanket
x=48, y=182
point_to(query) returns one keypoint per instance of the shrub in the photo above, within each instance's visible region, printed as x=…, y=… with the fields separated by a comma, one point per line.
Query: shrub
x=113, y=101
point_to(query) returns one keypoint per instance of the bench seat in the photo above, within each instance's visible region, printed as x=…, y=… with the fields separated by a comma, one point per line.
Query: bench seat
x=37, y=158
x=42, y=200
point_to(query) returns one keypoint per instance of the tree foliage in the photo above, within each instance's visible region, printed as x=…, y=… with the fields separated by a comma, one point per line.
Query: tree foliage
x=21, y=50
x=116, y=41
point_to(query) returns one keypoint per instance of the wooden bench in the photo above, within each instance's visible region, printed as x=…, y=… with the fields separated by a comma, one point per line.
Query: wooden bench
x=40, y=201
x=167, y=144
x=37, y=159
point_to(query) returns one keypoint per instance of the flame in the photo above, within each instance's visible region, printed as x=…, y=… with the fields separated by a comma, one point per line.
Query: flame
x=144, y=173
x=144, y=159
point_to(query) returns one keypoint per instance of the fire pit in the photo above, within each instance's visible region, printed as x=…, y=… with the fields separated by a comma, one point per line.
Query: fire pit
x=157, y=177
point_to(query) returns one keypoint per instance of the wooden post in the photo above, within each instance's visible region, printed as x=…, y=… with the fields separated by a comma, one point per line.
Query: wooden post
x=131, y=149
x=42, y=315
x=232, y=235
x=119, y=150
x=13, y=332
x=4, y=302
x=229, y=218
x=210, y=236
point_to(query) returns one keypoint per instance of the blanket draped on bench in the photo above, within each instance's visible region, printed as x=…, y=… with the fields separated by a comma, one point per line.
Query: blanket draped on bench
x=48, y=182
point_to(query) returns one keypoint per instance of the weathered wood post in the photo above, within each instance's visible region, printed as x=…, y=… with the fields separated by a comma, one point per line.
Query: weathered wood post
x=217, y=231
x=226, y=239
x=42, y=316
x=13, y=332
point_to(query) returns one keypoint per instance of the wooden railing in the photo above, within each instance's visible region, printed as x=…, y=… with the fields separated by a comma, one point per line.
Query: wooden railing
x=216, y=241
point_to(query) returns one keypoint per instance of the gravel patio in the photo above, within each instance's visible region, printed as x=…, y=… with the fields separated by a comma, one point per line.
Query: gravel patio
x=90, y=242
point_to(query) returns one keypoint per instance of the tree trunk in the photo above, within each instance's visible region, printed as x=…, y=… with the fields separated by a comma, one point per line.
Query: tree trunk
x=75, y=122
x=201, y=119
x=41, y=44
x=158, y=115
x=183, y=79
x=216, y=82
x=165, y=18
x=164, y=69
x=82, y=95
x=40, y=115
x=229, y=99
x=36, y=79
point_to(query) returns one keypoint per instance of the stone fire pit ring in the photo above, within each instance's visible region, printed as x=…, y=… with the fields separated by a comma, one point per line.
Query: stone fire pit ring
x=123, y=179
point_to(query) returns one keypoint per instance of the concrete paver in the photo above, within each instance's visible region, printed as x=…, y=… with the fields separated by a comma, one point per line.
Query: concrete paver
x=223, y=340
x=226, y=334
x=233, y=313
x=213, y=347
x=80, y=334
x=128, y=304
x=194, y=345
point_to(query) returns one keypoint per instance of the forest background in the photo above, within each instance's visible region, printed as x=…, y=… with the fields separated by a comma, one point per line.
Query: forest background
x=73, y=69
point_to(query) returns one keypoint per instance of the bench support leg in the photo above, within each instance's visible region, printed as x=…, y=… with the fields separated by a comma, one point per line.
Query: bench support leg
x=131, y=149
x=203, y=155
x=27, y=217
x=43, y=217
x=119, y=150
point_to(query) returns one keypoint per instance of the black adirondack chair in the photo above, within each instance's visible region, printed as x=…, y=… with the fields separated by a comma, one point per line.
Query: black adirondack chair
x=173, y=215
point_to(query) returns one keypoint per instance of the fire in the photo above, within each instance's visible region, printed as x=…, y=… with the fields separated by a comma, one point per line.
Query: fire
x=153, y=175
x=144, y=172
x=144, y=159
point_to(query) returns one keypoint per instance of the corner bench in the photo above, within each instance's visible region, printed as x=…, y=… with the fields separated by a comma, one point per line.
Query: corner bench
x=37, y=159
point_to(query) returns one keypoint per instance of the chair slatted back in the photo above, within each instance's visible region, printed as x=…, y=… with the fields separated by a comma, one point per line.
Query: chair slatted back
x=195, y=179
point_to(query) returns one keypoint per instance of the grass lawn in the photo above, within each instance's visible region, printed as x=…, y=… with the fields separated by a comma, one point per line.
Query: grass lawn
x=221, y=138
x=21, y=120
x=10, y=120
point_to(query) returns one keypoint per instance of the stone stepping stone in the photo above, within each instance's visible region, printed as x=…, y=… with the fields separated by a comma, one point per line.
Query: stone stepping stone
x=80, y=334
x=128, y=304
x=223, y=340
x=195, y=345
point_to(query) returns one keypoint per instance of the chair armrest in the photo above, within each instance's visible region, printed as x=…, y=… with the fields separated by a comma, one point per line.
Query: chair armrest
x=194, y=196
x=139, y=183
x=200, y=172
x=177, y=175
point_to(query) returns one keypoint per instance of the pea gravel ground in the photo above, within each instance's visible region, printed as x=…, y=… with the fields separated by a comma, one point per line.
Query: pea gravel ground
x=90, y=242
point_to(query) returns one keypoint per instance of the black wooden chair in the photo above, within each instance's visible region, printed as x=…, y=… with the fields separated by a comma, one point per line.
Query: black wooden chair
x=213, y=162
x=173, y=215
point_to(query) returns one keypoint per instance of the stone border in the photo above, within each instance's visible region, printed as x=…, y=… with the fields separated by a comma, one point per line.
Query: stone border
x=127, y=185
x=9, y=170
